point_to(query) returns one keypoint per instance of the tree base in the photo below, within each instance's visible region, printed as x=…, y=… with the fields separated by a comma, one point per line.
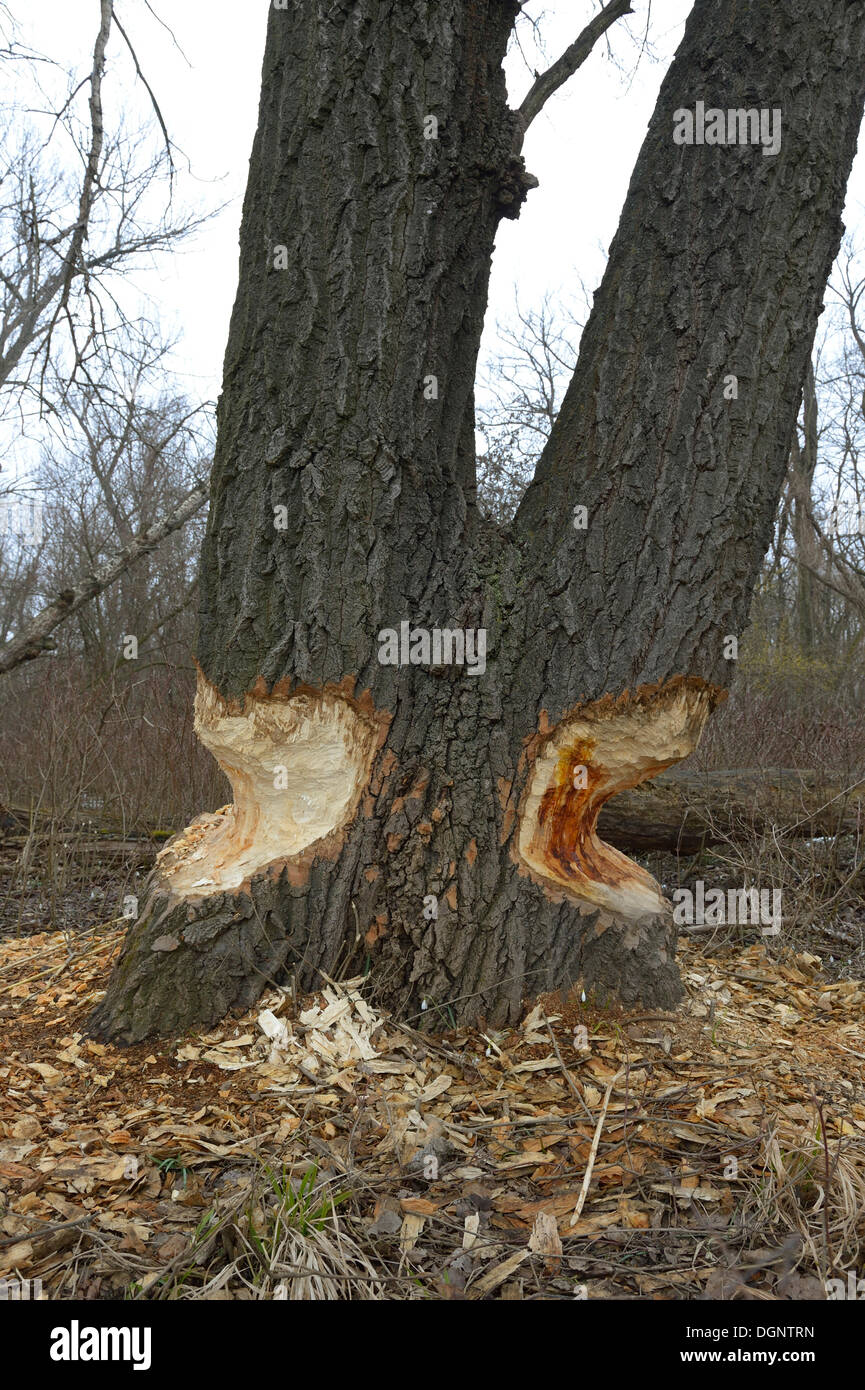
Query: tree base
x=187, y=963
x=460, y=906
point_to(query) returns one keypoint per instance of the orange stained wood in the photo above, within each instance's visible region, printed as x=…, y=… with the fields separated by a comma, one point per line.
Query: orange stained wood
x=565, y=836
x=596, y=750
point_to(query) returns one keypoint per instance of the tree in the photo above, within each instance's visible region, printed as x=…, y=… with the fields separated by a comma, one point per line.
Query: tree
x=828, y=488
x=71, y=231
x=35, y=639
x=122, y=471
x=522, y=393
x=431, y=820
x=71, y=234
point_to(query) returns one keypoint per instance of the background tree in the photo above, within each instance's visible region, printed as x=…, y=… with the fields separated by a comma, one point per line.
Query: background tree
x=71, y=228
x=520, y=399
x=829, y=491
x=80, y=211
x=437, y=826
x=103, y=457
x=98, y=608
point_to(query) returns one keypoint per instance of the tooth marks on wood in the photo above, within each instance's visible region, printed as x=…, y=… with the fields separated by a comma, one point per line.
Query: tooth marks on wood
x=595, y=751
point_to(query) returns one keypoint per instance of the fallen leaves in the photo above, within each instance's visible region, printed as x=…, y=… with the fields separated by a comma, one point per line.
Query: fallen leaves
x=544, y=1240
x=482, y=1162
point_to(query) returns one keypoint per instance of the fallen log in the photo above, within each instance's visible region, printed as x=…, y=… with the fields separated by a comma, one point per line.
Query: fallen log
x=140, y=852
x=681, y=810
x=684, y=810
x=19, y=822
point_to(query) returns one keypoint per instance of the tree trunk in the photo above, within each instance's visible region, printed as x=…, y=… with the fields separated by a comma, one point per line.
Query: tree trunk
x=434, y=821
x=804, y=464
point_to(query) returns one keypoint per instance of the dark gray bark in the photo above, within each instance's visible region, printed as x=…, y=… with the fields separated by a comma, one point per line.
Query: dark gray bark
x=718, y=267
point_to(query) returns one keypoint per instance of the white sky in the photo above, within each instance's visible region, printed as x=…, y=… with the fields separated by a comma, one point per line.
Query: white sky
x=582, y=147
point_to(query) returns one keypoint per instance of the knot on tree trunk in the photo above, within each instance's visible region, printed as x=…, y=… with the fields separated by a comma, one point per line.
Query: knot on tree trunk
x=515, y=183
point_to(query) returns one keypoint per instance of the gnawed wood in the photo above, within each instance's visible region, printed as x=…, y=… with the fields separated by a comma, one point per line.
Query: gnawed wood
x=593, y=752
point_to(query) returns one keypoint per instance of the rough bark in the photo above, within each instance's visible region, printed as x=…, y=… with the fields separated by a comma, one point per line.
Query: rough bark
x=460, y=861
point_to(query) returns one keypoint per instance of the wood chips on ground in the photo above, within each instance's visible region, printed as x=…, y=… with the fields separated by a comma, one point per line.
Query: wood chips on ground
x=715, y=1152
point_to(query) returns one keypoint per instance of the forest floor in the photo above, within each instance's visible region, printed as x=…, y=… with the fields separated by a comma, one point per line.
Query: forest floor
x=314, y=1149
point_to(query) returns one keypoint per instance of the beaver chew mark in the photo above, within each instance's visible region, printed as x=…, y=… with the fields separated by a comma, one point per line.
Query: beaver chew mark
x=596, y=751
x=297, y=768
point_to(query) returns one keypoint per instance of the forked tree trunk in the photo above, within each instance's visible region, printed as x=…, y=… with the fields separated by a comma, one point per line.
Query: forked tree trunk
x=435, y=823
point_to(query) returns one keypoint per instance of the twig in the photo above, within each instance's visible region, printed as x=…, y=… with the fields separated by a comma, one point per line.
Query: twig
x=830, y=1263
x=45, y=1231
x=575, y=1091
x=594, y=1152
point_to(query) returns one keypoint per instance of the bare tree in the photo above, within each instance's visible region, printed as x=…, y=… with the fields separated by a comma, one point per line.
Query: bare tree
x=827, y=472
x=80, y=199
x=390, y=808
x=77, y=213
x=124, y=471
x=520, y=392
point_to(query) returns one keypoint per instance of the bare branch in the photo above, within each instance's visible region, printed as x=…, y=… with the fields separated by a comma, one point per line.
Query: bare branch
x=572, y=58
x=94, y=155
x=35, y=640
x=91, y=173
x=150, y=92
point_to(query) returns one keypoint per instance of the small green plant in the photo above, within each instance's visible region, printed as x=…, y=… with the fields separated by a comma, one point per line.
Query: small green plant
x=204, y=1227
x=301, y=1207
x=172, y=1165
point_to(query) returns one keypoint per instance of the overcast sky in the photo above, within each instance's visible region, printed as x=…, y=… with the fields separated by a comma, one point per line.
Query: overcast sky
x=582, y=147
